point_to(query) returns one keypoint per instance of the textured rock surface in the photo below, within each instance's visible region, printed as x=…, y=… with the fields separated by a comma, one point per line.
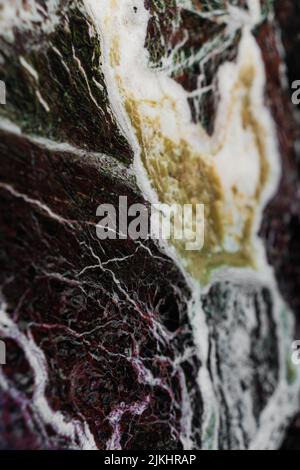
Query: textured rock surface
x=122, y=344
x=288, y=17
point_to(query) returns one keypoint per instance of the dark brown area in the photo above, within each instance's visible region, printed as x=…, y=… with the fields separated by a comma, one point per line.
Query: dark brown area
x=97, y=328
x=281, y=224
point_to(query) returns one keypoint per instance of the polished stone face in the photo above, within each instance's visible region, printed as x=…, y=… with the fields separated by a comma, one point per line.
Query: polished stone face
x=139, y=344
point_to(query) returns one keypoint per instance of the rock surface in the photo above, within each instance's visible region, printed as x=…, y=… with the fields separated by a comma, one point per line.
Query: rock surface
x=128, y=344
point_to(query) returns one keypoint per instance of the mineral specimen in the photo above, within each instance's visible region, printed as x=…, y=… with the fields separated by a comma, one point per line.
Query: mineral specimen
x=127, y=344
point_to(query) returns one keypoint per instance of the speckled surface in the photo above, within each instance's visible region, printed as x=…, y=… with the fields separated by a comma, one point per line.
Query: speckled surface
x=116, y=344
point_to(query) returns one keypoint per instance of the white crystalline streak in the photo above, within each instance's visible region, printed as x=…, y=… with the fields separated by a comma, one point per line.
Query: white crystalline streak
x=78, y=433
x=238, y=150
x=17, y=13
